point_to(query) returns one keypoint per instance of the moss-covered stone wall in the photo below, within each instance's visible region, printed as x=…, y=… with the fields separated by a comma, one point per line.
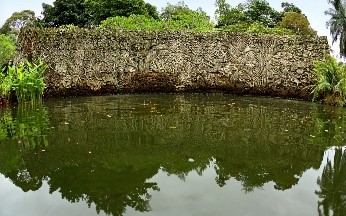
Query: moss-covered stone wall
x=94, y=61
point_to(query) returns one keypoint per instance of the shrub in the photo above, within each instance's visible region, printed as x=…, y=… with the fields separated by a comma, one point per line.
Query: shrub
x=187, y=22
x=331, y=81
x=257, y=28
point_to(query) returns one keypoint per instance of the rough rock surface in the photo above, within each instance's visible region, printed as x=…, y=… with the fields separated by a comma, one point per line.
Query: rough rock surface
x=84, y=62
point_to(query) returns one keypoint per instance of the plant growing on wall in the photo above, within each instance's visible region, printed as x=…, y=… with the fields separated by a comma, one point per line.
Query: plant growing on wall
x=182, y=22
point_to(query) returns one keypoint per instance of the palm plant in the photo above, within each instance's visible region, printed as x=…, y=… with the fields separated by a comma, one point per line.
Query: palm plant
x=331, y=76
x=333, y=186
x=337, y=23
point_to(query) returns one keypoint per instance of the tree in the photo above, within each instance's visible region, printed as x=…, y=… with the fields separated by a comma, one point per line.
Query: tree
x=173, y=11
x=254, y=11
x=186, y=18
x=298, y=23
x=17, y=21
x=65, y=12
x=261, y=12
x=103, y=9
x=289, y=7
x=235, y=16
x=222, y=9
x=337, y=23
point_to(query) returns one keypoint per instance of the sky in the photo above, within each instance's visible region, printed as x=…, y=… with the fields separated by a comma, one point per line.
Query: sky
x=313, y=9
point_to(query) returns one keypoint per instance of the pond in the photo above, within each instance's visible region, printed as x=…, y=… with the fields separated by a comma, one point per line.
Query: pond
x=172, y=154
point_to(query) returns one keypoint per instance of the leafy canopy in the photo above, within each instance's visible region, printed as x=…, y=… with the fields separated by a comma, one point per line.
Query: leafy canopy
x=88, y=13
x=337, y=23
x=103, y=9
x=65, y=12
x=182, y=22
x=253, y=11
x=17, y=21
x=289, y=7
x=298, y=23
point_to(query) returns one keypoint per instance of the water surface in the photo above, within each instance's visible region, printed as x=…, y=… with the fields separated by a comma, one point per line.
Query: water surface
x=191, y=154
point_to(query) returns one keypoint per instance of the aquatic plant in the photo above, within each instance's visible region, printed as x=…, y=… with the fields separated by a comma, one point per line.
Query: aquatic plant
x=26, y=81
x=331, y=81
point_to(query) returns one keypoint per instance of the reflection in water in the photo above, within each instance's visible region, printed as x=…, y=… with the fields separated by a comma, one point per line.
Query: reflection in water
x=333, y=186
x=105, y=150
x=27, y=124
x=22, y=129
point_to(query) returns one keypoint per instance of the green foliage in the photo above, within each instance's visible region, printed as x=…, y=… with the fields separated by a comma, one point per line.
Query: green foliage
x=235, y=16
x=337, y=23
x=65, y=12
x=243, y=27
x=181, y=17
x=17, y=21
x=260, y=11
x=222, y=9
x=289, y=7
x=68, y=27
x=331, y=86
x=28, y=127
x=257, y=16
x=7, y=48
x=103, y=9
x=133, y=22
x=26, y=80
x=175, y=12
x=257, y=28
x=298, y=23
x=184, y=22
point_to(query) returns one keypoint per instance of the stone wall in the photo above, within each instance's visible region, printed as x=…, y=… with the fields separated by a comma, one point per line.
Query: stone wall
x=94, y=61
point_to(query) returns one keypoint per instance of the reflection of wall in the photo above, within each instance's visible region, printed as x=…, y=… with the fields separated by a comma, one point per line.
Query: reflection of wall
x=277, y=140
x=104, y=149
x=92, y=61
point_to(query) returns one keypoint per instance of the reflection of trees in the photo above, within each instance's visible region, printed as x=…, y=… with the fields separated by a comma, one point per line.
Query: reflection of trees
x=22, y=129
x=27, y=124
x=103, y=151
x=333, y=186
x=110, y=191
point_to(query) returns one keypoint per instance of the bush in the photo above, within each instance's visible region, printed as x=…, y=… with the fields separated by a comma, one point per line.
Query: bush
x=331, y=85
x=257, y=28
x=187, y=22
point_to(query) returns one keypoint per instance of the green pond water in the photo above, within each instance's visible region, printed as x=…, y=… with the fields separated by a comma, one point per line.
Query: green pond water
x=195, y=154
